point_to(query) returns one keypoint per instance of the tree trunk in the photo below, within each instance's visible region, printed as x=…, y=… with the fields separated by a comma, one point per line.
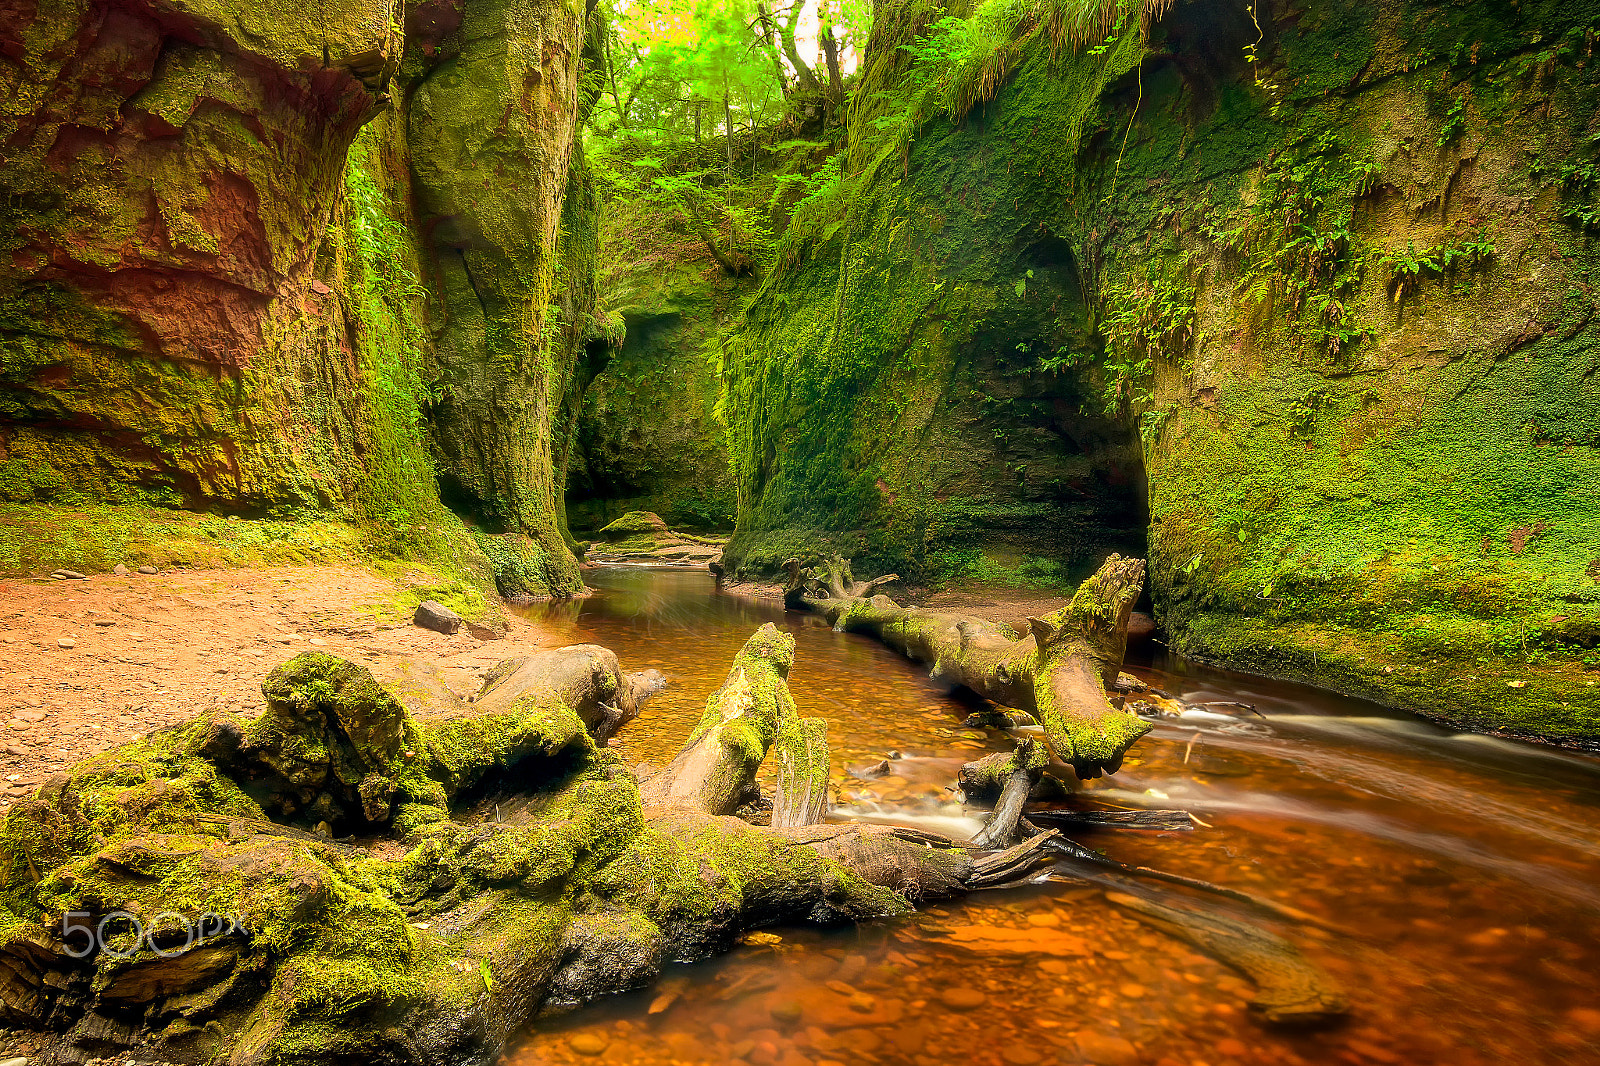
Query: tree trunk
x=727, y=126
x=611, y=76
x=802, y=796
x=802, y=71
x=717, y=767
x=768, y=36
x=1057, y=673
x=830, y=54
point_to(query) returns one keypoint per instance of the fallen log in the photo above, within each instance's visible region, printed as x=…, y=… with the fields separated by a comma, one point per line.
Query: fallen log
x=716, y=768
x=1057, y=672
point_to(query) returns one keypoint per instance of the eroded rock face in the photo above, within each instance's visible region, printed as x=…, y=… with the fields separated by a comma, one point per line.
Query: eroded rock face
x=1335, y=312
x=171, y=175
x=244, y=242
x=492, y=136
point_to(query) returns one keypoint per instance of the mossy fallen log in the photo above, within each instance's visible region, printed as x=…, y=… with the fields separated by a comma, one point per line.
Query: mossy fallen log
x=1057, y=673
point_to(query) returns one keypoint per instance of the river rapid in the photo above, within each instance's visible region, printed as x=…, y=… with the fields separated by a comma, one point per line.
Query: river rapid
x=1466, y=869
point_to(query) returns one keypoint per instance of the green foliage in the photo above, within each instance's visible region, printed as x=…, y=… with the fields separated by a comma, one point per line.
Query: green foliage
x=1143, y=319
x=1454, y=121
x=1409, y=265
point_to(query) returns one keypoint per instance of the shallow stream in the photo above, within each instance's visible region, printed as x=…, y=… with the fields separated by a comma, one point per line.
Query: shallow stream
x=1468, y=868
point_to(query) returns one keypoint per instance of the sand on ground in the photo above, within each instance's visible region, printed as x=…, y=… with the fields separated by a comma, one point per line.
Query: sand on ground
x=90, y=664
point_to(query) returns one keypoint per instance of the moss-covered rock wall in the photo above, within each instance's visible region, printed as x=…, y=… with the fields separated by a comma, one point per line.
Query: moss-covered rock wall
x=219, y=291
x=650, y=436
x=1319, y=275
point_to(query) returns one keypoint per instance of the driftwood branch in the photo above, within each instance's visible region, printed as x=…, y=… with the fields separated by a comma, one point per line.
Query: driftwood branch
x=1166, y=821
x=1019, y=773
x=1057, y=673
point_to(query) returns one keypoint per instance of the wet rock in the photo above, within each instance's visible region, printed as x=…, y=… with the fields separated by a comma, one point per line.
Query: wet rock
x=1141, y=627
x=1020, y=1055
x=1103, y=1049
x=786, y=1013
x=437, y=617
x=962, y=998
x=588, y=1043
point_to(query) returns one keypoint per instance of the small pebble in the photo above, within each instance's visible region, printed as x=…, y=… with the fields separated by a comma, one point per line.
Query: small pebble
x=786, y=1013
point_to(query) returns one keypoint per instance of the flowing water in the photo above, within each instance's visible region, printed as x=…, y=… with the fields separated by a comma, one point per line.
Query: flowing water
x=1467, y=870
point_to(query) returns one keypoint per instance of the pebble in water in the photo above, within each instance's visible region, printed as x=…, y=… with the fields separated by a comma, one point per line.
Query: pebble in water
x=962, y=998
x=588, y=1043
x=1101, y=1049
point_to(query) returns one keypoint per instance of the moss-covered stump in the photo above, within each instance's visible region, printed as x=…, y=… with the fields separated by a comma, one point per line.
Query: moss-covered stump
x=340, y=882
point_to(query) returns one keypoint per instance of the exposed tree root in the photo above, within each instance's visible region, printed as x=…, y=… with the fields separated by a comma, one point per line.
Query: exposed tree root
x=1057, y=672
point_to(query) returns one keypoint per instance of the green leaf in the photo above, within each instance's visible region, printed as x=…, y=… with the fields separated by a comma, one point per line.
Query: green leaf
x=488, y=978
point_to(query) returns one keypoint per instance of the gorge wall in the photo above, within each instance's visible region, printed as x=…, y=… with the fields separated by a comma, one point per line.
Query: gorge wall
x=1317, y=276
x=649, y=435
x=275, y=260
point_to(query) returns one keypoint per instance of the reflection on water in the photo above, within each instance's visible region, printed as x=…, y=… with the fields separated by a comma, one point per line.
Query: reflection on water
x=1470, y=865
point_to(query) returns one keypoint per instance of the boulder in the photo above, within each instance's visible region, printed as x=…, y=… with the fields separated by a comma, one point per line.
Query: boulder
x=437, y=617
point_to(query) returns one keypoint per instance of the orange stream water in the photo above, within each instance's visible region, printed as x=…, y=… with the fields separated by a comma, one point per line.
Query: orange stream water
x=1471, y=867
